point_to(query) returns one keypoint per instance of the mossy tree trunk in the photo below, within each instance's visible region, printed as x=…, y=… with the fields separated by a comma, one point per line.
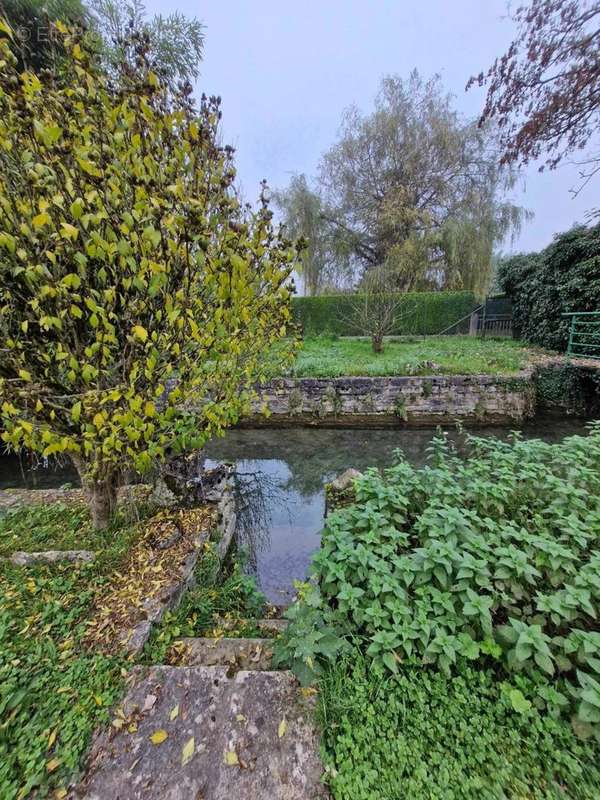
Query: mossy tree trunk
x=101, y=495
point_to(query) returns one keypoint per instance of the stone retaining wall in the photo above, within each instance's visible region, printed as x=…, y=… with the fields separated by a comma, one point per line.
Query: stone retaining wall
x=394, y=401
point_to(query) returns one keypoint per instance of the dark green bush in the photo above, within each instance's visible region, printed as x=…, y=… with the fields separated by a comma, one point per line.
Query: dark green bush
x=494, y=558
x=424, y=736
x=426, y=313
x=562, y=278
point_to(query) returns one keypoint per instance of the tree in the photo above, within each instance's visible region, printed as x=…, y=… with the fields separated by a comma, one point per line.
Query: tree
x=415, y=184
x=544, y=92
x=175, y=43
x=562, y=278
x=32, y=20
x=377, y=309
x=304, y=216
x=139, y=302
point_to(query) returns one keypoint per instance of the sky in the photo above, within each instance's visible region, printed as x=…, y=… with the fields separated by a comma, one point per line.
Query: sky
x=286, y=70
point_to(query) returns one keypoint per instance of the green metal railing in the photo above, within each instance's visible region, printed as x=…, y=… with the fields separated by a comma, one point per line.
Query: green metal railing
x=584, y=334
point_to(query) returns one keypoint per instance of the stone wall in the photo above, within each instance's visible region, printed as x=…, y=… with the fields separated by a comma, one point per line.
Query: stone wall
x=394, y=401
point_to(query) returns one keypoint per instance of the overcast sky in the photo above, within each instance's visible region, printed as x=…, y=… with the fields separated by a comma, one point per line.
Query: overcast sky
x=287, y=69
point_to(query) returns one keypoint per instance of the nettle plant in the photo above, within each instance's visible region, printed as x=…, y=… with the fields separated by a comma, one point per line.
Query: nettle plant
x=493, y=557
x=139, y=301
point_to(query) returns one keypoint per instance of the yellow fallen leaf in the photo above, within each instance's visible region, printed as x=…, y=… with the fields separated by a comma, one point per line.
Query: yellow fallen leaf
x=231, y=758
x=187, y=752
x=52, y=738
x=53, y=764
x=159, y=736
x=59, y=794
x=240, y=718
x=308, y=691
x=282, y=728
x=174, y=713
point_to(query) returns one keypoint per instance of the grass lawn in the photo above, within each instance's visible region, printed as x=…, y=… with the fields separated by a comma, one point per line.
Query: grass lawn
x=324, y=357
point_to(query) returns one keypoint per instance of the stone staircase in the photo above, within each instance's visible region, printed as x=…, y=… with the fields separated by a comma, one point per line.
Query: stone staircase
x=221, y=725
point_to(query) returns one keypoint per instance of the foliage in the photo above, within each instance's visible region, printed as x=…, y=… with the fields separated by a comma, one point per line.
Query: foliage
x=32, y=21
x=131, y=280
x=53, y=692
x=543, y=93
x=215, y=598
x=327, y=357
x=175, y=42
x=429, y=737
x=492, y=557
x=562, y=278
x=571, y=387
x=415, y=185
x=432, y=312
x=303, y=215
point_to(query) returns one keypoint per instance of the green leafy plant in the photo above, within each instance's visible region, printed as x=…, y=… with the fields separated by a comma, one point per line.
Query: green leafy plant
x=53, y=692
x=426, y=736
x=493, y=558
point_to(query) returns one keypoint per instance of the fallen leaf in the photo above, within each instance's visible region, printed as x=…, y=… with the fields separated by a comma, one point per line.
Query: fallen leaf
x=231, y=758
x=187, y=752
x=240, y=718
x=149, y=702
x=174, y=713
x=159, y=736
x=52, y=739
x=308, y=691
x=53, y=764
x=59, y=794
x=282, y=728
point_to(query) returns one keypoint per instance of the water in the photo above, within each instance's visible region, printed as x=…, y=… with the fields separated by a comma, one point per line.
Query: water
x=280, y=475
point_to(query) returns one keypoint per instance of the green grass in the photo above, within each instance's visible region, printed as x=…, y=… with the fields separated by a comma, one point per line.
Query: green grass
x=52, y=692
x=329, y=357
x=424, y=736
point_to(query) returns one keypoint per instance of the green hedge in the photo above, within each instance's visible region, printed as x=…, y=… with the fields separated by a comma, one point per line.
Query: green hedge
x=430, y=313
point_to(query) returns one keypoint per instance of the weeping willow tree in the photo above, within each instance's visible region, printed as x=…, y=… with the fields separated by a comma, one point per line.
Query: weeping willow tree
x=415, y=186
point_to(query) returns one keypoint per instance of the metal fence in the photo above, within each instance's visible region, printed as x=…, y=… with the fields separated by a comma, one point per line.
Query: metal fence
x=584, y=334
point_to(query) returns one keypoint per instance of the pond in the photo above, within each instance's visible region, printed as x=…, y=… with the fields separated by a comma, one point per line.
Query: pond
x=280, y=478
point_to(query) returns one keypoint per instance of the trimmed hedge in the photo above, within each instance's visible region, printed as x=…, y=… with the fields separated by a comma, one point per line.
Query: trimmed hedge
x=430, y=313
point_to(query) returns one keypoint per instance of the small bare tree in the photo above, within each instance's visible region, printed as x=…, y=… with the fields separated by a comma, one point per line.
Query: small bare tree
x=378, y=308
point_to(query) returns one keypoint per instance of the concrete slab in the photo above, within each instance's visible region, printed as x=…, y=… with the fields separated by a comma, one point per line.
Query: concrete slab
x=249, y=737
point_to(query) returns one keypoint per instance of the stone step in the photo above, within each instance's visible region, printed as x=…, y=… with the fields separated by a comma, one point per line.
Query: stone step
x=195, y=732
x=234, y=654
x=271, y=626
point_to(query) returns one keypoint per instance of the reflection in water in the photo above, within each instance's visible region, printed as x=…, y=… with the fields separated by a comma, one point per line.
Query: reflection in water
x=283, y=473
x=280, y=474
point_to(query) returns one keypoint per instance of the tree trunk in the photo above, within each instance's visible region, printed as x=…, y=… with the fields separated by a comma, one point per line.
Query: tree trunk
x=101, y=495
x=102, y=500
x=377, y=342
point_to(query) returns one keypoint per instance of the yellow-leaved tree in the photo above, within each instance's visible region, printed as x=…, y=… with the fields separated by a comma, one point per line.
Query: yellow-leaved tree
x=139, y=301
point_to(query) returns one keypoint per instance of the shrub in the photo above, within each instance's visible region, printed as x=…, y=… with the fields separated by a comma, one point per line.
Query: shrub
x=562, y=278
x=127, y=264
x=424, y=736
x=493, y=557
x=427, y=313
